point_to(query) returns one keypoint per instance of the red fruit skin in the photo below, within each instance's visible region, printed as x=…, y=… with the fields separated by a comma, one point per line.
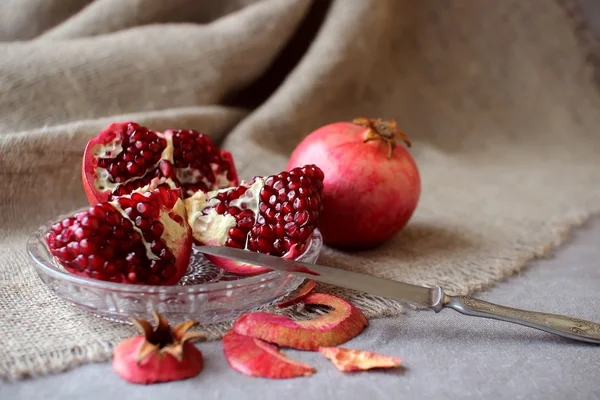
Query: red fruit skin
x=241, y=268
x=338, y=326
x=254, y=357
x=302, y=293
x=155, y=368
x=88, y=176
x=368, y=196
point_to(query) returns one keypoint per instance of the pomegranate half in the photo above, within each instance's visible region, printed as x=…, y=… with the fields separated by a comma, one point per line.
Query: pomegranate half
x=127, y=156
x=274, y=215
x=137, y=238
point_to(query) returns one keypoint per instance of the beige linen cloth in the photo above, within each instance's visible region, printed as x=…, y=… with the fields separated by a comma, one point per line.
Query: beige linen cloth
x=499, y=97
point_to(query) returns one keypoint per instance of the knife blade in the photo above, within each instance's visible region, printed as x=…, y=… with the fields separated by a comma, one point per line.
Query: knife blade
x=401, y=291
x=433, y=298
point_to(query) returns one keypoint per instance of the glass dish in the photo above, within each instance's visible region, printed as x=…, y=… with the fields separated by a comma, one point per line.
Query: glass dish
x=206, y=293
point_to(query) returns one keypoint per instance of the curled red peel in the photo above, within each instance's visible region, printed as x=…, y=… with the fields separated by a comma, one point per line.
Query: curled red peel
x=302, y=293
x=338, y=326
x=348, y=360
x=254, y=357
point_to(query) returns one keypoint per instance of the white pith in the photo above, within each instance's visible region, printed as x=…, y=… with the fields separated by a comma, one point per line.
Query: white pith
x=213, y=228
x=173, y=232
x=102, y=181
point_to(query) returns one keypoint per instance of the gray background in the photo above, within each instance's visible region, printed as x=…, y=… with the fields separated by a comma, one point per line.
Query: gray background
x=445, y=355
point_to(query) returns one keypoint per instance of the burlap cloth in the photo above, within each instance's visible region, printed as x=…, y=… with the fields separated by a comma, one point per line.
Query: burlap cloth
x=499, y=98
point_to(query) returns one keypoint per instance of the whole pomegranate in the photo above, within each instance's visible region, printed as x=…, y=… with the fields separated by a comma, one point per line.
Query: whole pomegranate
x=372, y=186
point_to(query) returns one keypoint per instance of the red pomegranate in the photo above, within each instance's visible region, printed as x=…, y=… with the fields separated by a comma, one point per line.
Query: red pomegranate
x=274, y=215
x=137, y=238
x=372, y=186
x=126, y=156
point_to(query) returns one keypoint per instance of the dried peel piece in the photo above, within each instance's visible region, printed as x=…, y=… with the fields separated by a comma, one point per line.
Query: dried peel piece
x=160, y=354
x=338, y=326
x=304, y=291
x=254, y=357
x=348, y=360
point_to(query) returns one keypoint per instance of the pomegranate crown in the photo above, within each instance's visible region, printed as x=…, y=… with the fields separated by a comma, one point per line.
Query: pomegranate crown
x=164, y=339
x=386, y=131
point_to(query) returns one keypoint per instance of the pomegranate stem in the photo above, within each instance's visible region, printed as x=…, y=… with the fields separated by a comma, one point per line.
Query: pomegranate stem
x=385, y=131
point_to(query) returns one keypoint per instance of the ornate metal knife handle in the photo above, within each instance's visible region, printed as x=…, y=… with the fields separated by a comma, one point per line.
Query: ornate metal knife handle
x=572, y=328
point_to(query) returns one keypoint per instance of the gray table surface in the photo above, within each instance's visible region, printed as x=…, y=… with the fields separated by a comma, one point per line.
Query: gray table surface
x=445, y=355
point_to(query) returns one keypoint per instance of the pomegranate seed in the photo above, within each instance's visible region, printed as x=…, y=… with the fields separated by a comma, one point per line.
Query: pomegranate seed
x=144, y=209
x=288, y=208
x=264, y=245
x=314, y=203
x=233, y=211
x=221, y=208
x=246, y=222
x=142, y=223
x=300, y=204
x=265, y=193
x=302, y=217
x=232, y=243
x=157, y=229
x=157, y=247
x=96, y=261
x=238, y=235
x=90, y=222
x=270, y=213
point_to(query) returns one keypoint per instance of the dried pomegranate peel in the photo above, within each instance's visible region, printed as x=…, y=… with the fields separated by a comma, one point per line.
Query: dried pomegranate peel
x=341, y=324
x=348, y=360
x=160, y=354
x=304, y=291
x=254, y=357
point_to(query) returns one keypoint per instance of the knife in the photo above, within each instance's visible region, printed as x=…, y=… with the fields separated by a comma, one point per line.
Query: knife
x=433, y=298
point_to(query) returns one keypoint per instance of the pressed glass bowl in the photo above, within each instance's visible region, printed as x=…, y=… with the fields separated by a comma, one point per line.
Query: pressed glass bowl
x=206, y=293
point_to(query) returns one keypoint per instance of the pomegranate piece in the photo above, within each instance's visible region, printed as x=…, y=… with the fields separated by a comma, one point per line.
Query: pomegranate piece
x=341, y=324
x=161, y=354
x=137, y=238
x=304, y=291
x=372, y=186
x=348, y=360
x=254, y=357
x=274, y=215
x=127, y=156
